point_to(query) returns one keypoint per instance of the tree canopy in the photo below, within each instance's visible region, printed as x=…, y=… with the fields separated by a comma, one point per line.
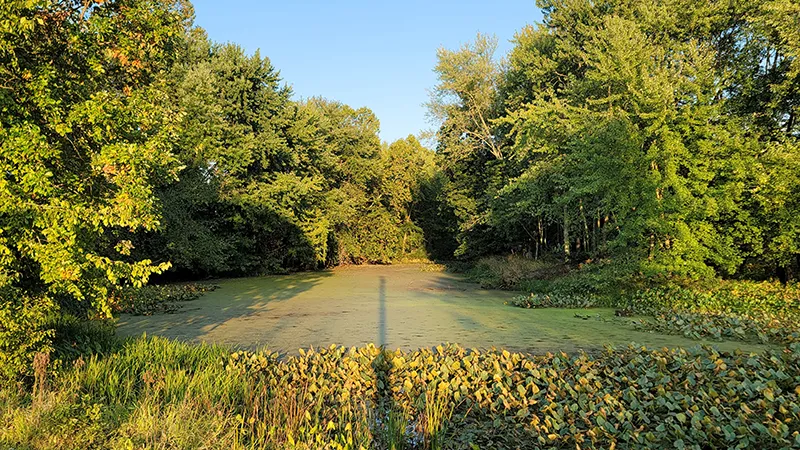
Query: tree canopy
x=664, y=131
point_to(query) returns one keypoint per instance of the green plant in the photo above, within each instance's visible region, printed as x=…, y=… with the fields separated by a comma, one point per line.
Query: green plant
x=508, y=272
x=153, y=299
x=86, y=133
x=744, y=310
x=157, y=393
x=534, y=300
x=718, y=326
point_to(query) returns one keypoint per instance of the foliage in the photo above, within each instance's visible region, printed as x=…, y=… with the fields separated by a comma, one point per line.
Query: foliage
x=24, y=330
x=154, y=299
x=766, y=312
x=511, y=271
x=764, y=328
x=74, y=337
x=86, y=132
x=271, y=184
x=664, y=133
x=533, y=300
x=107, y=104
x=741, y=297
x=155, y=392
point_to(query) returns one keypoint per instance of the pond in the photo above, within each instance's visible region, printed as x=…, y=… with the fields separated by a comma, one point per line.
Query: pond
x=400, y=306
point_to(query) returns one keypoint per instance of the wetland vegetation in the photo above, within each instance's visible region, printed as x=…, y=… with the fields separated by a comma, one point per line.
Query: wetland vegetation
x=628, y=175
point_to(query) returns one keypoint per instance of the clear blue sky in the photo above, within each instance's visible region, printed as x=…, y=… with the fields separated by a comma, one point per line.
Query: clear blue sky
x=363, y=53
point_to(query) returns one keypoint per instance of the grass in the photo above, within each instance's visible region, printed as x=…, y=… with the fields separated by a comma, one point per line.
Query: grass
x=158, y=393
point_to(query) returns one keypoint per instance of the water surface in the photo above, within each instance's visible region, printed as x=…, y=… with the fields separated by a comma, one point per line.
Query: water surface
x=399, y=306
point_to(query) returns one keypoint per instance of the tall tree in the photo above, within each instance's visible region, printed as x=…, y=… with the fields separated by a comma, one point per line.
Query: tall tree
x=661, y=130
x=86, y=131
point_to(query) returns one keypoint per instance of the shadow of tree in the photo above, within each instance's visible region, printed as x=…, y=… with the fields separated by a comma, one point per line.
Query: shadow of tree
x=241, y=298
x=382, y=312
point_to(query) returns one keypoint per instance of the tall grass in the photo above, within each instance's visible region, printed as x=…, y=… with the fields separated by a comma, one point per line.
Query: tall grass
x=156, y=393
x=160, y=394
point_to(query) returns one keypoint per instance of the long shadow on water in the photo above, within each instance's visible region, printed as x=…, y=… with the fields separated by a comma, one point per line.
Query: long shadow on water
x=382, y=312
x=235, y=299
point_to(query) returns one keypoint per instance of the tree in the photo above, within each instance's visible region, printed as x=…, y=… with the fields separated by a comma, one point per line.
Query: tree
x=660, y=130
x=464, y=100
x=86, y=132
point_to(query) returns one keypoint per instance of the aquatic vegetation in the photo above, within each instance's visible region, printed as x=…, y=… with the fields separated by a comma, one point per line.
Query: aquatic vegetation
x=153, y=299
x=157, y=392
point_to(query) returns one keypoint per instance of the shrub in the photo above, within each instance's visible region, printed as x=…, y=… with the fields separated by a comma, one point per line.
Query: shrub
x=508, y=272
x=75, y=337
x=24, y=331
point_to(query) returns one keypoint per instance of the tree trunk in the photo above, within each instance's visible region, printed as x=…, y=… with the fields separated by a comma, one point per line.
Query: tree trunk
x=586, y=244
x=540, y=237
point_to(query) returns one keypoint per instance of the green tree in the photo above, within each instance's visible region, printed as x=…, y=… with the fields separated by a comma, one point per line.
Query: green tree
x=86, y=131
x=661, y=130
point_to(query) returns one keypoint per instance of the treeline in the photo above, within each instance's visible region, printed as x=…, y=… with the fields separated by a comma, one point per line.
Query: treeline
x=132, y=146
x=662, y=134
x=270, y=184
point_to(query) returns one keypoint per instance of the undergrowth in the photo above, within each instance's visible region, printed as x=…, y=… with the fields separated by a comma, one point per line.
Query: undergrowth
x=157, y=393
x=767, y=312
x=511, y=271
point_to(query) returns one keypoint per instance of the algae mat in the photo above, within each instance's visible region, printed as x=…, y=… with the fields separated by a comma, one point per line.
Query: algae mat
x=399, y=306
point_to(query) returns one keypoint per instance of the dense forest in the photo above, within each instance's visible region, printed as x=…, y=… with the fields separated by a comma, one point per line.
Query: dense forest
x=661, y=137
x=134, y=146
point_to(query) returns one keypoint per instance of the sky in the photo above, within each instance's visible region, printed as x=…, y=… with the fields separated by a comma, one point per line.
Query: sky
x=376, y=54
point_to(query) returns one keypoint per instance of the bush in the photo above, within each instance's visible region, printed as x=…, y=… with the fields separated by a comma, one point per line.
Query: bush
x=24, y=331
x=159, y=393
x=75, y=337
x=509, y=272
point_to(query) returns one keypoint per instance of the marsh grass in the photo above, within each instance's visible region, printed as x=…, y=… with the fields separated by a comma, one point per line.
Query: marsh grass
x=438, y=410
x=160, y=394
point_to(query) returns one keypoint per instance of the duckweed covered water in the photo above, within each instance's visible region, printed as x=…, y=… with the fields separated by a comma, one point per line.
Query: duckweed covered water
x=399, y=306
